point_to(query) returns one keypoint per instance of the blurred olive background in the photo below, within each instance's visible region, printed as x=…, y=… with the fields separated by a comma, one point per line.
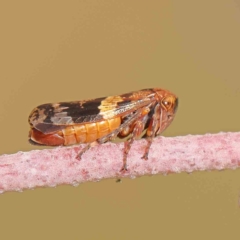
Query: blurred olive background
x=54, y=51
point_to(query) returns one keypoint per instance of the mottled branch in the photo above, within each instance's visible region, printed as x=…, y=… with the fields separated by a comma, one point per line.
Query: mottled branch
x=51, y=167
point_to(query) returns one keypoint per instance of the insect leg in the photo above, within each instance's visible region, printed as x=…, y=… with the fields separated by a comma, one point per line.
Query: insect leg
x=85, y=148
x=149, y=143
x=152, y=129
x=112, y=135
x=137, y=130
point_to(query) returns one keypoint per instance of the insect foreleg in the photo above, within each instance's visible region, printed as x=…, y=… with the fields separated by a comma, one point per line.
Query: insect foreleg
x=137, y=130
x=152, y=129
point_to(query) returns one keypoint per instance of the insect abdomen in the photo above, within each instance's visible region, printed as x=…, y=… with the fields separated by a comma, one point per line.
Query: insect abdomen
x=79, y=133
x=89, y=132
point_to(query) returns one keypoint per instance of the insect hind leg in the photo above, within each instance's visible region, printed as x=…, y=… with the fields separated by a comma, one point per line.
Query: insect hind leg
x=108, y=137
x=85, y=148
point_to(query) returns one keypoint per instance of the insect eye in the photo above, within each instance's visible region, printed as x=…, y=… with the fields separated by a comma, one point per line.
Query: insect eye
x=167, y=103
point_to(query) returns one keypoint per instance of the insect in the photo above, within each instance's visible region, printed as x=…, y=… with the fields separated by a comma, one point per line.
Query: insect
x=145, y=113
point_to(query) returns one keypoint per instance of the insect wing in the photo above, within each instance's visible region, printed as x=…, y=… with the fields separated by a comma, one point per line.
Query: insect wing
x=49, y=118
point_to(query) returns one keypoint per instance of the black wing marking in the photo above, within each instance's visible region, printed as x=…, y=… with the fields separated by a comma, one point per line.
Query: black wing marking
x=49, y=118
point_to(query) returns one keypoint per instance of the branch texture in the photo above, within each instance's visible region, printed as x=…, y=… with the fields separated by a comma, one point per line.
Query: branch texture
x=51, y=167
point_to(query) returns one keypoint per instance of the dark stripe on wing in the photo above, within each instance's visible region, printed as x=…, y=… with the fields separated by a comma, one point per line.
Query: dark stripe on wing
x=49, y=118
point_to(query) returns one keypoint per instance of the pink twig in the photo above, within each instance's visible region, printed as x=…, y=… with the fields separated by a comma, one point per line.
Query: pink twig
x=51, y=167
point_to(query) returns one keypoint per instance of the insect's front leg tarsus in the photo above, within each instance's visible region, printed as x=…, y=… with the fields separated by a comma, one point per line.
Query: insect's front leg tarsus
x=149, y=143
